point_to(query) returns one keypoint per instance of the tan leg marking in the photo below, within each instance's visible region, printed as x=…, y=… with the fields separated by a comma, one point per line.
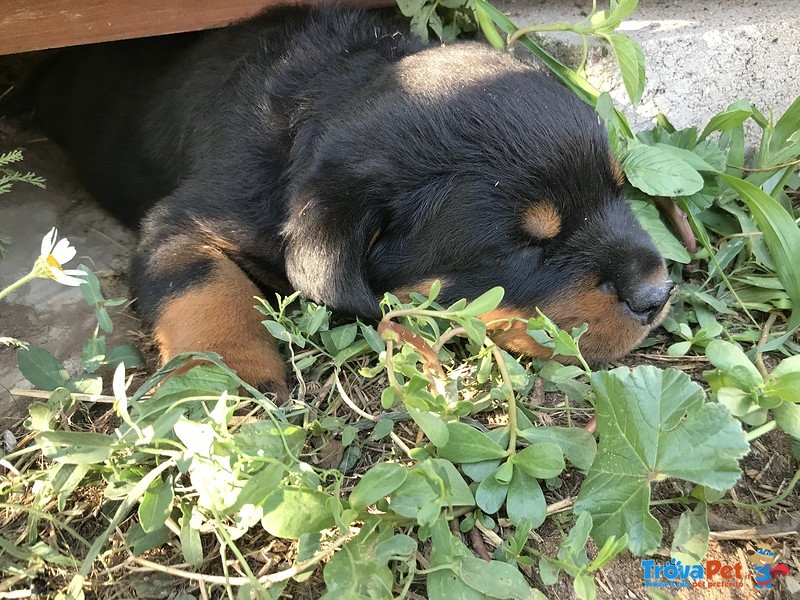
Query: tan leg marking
x=218, y=316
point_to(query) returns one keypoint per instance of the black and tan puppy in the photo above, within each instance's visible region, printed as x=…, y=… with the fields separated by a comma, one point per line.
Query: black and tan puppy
x=329, y=152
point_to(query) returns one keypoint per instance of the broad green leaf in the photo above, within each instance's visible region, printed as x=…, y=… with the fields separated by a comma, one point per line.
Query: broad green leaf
x=787, y=416
x=265, y=439
x=85, y=384
x=484, y=303
x=156, y=505
x=66, y=479
x=424, y=485
x=289, y=512
x=467, y=444
x=76, y=447
x=663, y=237
x=787, y=126
x=690, y=542
x=578, y=445
x=377, y=483
x=127, y=354
x=143, y=541
x=542, y=460
x=42, y=416
x=339, y=338
x=525, y=501
x=431, y=424
x=382, y=429
x=258, y=487
x=191, y=544
x=584, y=586
x=733, y=116
x=491, y=494
x=780, y=233
x=475, y=329
x=631, y=64
x=41, y=368
x=653, y=424
x=690, y=157
x=726, y=357
x=494, y=579
x=358, y=571
x=786, y=387
x=659, y=173
x=397, y=546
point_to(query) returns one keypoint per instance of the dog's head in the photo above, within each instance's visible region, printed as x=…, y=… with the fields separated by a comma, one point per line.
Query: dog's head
x=465, y=165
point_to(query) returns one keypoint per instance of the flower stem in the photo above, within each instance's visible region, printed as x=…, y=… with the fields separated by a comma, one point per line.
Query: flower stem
x=510, y=396
x=19, y=283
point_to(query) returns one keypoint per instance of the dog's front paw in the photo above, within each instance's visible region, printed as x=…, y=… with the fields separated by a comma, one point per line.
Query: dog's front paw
x=218, y=316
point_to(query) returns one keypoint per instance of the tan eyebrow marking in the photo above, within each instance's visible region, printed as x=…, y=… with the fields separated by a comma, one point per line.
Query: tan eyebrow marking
x=542, y=220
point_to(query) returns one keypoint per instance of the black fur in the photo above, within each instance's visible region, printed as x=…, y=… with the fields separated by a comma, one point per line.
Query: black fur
x=289, y=142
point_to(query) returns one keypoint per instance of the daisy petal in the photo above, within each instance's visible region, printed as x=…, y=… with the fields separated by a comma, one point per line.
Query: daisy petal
x=64, y=278
x=48, y=242
x=63, y=252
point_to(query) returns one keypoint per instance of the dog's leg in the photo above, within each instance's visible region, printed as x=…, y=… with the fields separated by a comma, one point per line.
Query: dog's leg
x=194, y=297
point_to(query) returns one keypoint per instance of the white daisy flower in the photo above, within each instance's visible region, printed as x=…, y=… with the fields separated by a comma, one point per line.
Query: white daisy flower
x=54, y=253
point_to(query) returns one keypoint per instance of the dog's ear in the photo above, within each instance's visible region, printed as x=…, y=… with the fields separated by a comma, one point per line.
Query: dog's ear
x=327, y=237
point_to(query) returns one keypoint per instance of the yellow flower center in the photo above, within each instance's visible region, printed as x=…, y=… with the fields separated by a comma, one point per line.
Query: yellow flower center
x=51, y=261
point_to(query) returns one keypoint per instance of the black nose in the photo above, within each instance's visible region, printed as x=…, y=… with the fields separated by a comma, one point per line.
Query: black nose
x=646, y=301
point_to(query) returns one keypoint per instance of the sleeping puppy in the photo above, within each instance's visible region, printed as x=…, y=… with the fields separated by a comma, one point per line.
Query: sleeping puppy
x=329, y=152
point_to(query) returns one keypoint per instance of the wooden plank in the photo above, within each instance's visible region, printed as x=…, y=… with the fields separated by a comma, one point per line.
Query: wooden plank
x=27, y=25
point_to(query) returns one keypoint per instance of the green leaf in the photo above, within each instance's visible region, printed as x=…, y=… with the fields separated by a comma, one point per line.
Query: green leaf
x=484, y=303
x=494, y=579
x=85, y=384
x=265, y=439
x=584, y=586
x=787, y=416
x=542, y=460
x=382, y=428
x=690, y=542
x=42, y=416
x=659, y=173
x=431, y=424
x=786, y=127
x=377, y=483
x=726, y=357
x=653, y=424
x=289, y=512
x=66, y=480
x=780, y=233
x=156, y=505
x=94, y=353
x=631, y=64
x=191, y=544
x=475, y=329
x=525, y=501
x=663, y=237
x=578, y=445
x=373, y=339
x=127, y=354
x=76, y=447
x=733, y=116
x=358, y=571
x=339, y=338
x=466, y=444
x=41, y=368
x=491, y=494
